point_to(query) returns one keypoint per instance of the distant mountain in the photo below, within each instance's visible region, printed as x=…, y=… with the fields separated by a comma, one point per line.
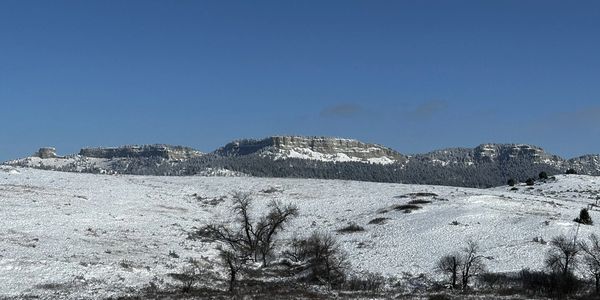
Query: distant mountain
x=587, y=164
x=491, y=153
x=507, y=153
x=110, y=160
x=321, y=157
x=313, y=148
x=163, y=151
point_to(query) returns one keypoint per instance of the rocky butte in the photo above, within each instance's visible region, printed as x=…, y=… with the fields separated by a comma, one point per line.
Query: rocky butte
x=318, y=148
x=46, y=152
x=322, y=157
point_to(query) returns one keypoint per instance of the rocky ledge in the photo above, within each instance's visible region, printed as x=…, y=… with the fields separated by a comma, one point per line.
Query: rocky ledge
x=322, y=148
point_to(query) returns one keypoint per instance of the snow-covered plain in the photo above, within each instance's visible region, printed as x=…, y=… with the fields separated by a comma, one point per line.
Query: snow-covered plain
x=69, y=235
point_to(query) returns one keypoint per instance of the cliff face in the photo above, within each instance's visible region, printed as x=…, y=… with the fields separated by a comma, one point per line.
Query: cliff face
x=317, y=157
x=46, y=152
x=244, y=147
x=507, y=152
x=334, y=146
x=316, y=148
x=492, y=153
x=147, y=151
x=587, y=164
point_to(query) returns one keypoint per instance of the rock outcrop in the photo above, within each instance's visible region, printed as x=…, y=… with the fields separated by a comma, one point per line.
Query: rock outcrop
x=316, y=148
x=46, y=152
x=507, y=152
x=587, y=164
x=321, y=157
x=491, y=153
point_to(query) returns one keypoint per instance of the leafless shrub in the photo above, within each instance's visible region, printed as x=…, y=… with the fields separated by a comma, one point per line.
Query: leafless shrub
x=467, y=264
x=351, y=228
x=321, y=256
x=419, y=201
x=407, y=208
x=561, y=260
x=234, y=263
x=191, y=275
x=371, y=282
x=270, y=190
x=126, y=264
x=591, y=259
x=494, y=280
x=451, y=265
x=536, y=282
x=419, y=194
x=562, y=257
x=378, y=221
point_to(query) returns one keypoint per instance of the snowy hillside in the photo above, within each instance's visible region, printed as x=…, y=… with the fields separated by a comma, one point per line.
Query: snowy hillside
x=73, y=163
x=499, y=153
x=87, y=236
x=486, y=165
x=325, y=149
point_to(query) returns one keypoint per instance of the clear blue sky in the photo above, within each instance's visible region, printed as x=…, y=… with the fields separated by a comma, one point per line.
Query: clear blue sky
x=412, y=75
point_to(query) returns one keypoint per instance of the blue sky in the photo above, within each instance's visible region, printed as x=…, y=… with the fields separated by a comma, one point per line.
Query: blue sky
x=412, y=75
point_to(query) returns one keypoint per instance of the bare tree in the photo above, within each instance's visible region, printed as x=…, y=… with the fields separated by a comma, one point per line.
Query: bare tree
x=269, y=225
x=241, y=206
x=451, y=264
x=592, y=259
x=472, y=263
x=224, y=234
x=562, y=257
x=250, y=238
x=195, y=272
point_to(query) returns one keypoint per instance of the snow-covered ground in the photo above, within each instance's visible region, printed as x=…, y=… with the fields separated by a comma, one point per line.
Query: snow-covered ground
x=92, y=236
x=76, y=163
x=306, y=153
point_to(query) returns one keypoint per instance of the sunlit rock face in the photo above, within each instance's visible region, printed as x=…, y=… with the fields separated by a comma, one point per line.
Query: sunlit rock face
x=587, y=164
x=46, y=152
x=506, y=152
x=316, y=148
x=501, y=154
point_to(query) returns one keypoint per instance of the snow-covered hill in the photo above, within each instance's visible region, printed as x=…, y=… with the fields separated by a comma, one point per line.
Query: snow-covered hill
x=108, y=160
x=321, y=157
x=495, y=153
x=69, y=235
x=72, y=163
x=326, y=149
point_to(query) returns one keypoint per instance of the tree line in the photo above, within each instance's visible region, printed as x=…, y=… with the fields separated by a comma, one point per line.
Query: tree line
x=483, y=175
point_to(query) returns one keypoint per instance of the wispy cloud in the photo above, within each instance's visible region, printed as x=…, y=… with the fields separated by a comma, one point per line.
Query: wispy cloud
x=422, y=111
x=585, y=116
x=575, y=125
x=428, y=109
x=342, y=110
